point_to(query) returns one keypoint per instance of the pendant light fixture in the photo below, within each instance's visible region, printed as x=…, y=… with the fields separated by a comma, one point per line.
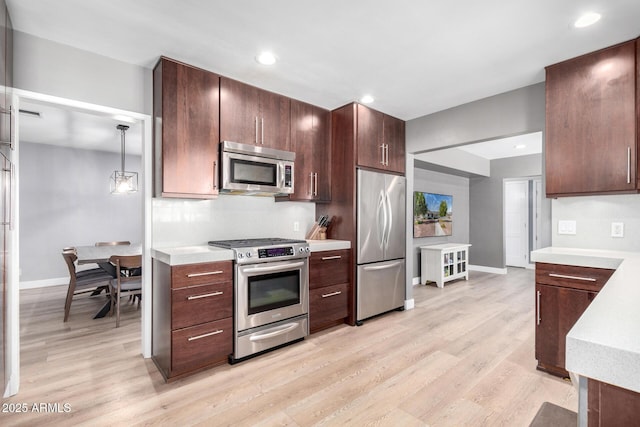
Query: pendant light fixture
x=123, y=182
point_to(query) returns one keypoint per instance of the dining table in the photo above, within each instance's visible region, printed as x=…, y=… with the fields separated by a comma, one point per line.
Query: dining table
x=100, y=255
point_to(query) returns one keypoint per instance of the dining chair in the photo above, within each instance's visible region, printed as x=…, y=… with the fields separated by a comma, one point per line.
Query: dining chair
x=94, y=280
x=125, y=284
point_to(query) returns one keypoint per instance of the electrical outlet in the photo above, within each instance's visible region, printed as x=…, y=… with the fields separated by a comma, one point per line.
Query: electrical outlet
x=296, y=226
x=617, y=229
x=566, y=227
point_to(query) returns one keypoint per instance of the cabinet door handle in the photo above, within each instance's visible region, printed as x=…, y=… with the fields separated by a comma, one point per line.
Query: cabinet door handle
x=197, y=337
x=212, y=294
x=382, y=154
x=386, y=158
x=563, y=276
x=327, y=258
x=331, y=294
x=207, y=273
x=311, y=183
x=315, y=183
x=257, y=130
x=262, y=130
x=537, y=307
x=215, y=175
x=628, y=165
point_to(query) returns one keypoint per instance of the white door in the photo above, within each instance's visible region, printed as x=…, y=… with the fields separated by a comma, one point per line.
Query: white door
x=516, y=222
x=537, y=214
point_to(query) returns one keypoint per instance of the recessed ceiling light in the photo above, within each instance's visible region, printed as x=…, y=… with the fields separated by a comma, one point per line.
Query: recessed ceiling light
x=519, y=146
x=367, y=99
x=266, y=58
x=587, y=19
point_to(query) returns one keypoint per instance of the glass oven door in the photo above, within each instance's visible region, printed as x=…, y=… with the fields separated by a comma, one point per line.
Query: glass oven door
x=270, y=292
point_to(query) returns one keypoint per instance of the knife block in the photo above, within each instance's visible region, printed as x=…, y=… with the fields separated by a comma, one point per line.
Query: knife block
x=317, y=233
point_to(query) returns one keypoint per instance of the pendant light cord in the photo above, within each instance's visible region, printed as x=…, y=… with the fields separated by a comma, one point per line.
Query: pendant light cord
x=123, y=129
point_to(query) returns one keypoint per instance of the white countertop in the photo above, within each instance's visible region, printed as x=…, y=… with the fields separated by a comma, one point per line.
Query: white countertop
x=191, y=254
x=204, y=253
x=604, y=344
x=328, y=245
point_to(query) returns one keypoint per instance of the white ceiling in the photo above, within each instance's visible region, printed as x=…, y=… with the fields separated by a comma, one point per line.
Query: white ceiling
x=77, y=129
x=521, y=145
x=414, y=57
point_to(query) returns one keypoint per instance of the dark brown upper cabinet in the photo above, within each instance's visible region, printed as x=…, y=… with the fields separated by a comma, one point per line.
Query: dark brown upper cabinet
x=310, y=133
x=380, y=140
x=186, y=130
x=253, y=116
x=591, y=123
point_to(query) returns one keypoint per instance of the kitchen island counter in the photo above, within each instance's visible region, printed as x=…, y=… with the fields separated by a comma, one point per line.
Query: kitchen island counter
x=604, y=344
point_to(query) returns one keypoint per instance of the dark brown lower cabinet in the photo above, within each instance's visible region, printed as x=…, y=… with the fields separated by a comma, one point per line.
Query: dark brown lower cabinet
x=611, y=406
x=558, y=310
x=563, y=293
x=329, y=288
x=192, y=319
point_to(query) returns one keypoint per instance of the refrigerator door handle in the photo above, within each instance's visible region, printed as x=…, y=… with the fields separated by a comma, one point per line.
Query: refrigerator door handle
x=389, y=219
x=382, y=267
x=382, y=214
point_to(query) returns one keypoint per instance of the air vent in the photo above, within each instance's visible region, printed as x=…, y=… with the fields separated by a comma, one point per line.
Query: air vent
x=31, y=113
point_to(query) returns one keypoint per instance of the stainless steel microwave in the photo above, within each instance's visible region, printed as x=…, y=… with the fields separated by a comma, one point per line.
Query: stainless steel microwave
x=250, y=169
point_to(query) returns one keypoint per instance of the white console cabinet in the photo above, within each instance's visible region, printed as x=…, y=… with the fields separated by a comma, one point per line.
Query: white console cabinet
x=445, y=262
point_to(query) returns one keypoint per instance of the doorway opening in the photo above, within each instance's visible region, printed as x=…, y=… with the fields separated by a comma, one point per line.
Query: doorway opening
x=522, y=219
x=62, y=149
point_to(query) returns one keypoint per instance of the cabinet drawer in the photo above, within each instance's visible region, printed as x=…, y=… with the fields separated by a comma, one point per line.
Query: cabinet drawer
x=201, y=345
x=328, y=304
x=329, y=268
x=199, y=274
x=569, y=276
x=200, y=303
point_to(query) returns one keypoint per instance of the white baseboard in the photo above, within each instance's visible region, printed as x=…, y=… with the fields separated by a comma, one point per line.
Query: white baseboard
x=530, y=267
x=409, y=304
x=416, y=281
x=44, y=283
x=484, y=269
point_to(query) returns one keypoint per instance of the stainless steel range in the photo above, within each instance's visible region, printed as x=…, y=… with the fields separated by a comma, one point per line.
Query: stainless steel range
x=271, y=293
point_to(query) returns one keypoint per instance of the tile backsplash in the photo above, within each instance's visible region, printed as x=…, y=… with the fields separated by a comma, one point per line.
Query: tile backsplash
x=179, y=222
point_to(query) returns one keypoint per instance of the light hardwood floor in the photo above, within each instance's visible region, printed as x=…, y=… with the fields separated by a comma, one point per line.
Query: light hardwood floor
x=463, y=357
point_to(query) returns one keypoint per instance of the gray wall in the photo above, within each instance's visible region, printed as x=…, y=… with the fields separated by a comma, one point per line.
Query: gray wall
x=486, y=206
x=510, y=113
x=65, y=201
x=52, y=68
x=458, y=187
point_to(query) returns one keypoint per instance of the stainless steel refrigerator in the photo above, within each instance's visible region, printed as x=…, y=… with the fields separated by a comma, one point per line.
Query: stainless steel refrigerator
x=381, y=243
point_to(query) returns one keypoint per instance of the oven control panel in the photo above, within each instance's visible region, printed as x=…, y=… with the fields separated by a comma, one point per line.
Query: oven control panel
x=263, y=254
x=274, y=252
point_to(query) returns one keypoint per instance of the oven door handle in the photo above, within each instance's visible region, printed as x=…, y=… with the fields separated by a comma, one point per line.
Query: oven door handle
x=281, y=330
x=272, y=268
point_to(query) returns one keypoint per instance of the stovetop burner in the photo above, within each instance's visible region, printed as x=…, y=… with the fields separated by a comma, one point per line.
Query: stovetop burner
x=249, y=243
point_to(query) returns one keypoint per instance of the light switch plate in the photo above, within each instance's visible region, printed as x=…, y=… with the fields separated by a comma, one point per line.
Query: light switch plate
x=566, y=227
x=617, y=229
